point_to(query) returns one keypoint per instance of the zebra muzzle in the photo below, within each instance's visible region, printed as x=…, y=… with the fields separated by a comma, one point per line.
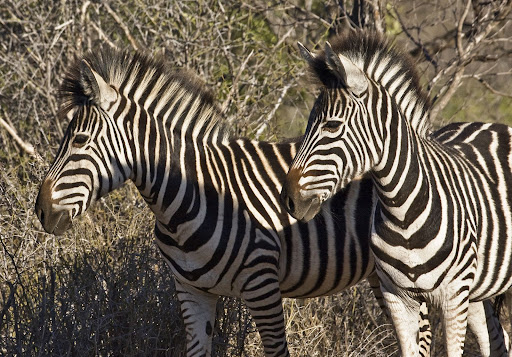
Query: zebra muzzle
x=54, y=221
x=299, y=207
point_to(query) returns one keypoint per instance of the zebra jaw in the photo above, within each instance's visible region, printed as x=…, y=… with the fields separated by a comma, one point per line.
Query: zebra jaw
x=57, y=223
x=304, y=210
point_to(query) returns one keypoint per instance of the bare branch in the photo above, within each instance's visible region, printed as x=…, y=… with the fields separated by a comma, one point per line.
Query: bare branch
x=83, y=18
x=420, y=46
x=26, y=147
x=487, y=24
x=491, y=89
x=102, y=34
x=122, y=24
x=378, y=16
x=271, y=114
x=460, y=33
x=234, y=86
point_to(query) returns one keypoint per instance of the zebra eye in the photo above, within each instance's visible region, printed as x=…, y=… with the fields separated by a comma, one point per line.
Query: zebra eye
x=80, y=140
x=332, y=125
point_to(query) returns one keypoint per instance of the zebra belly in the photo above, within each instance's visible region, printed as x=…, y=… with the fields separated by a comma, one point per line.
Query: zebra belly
x=316, y=286
x=407, y=270
x=487, y=285
x=424, y=270
x=493, y=273
x=196, y=269
x=424, y=283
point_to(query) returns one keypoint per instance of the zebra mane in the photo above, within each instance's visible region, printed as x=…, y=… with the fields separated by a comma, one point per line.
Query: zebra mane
x=130, y=72
x=385, y=64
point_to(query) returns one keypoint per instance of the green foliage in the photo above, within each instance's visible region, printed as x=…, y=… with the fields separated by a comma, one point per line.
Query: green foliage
x=393, y=27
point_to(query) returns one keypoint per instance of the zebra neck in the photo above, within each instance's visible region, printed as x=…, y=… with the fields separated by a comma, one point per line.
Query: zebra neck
x=178, y=188
x=403, y=184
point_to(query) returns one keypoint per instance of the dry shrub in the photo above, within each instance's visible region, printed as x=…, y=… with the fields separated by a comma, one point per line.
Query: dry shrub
x=347, y=324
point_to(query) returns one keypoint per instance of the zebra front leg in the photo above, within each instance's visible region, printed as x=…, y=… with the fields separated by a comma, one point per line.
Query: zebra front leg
x=491, y=337
x=263, y=299
x=198, y=311
x=425, y=331
x=404, y=313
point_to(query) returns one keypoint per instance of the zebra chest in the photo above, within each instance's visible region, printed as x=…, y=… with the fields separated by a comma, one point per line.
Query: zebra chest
x=422, y=267
x=194, y=259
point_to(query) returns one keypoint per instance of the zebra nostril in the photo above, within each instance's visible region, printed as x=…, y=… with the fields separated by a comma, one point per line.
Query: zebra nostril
x=290, y=204
x=41, y=215
x=287, y=200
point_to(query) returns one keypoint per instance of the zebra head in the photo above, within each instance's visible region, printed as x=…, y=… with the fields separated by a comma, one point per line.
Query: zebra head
x=87, y=164
x=336, y=147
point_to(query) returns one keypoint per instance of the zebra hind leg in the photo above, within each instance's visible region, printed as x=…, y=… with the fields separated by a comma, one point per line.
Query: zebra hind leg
x=425, y=331
x=198, y=311
x=455, y=311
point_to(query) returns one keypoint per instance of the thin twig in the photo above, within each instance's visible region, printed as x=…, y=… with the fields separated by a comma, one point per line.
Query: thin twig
x=490, y=88
x=417, y=42
x=284, y=37
x=274, y=110
x=235, y=82
x=103, y=35
x=460, y=33
x=26, y=147
x=123, y=26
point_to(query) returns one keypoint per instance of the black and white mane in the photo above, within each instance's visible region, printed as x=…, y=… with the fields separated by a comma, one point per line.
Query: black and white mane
x=138, y=72
x=383, y=63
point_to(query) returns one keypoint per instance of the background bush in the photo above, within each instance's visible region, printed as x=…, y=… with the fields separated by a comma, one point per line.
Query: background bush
x=102, y=288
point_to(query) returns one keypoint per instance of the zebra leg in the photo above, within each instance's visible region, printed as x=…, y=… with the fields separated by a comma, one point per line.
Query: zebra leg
x=508, y=305
x=455, y=319
x=263, y=299
x=198, y=311
x=491, y=337
x=404, y=313
x=425, y=332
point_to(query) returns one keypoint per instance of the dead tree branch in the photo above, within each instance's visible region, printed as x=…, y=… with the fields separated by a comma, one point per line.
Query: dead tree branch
x=26, y=147
x=123, y=25
x=483, y=25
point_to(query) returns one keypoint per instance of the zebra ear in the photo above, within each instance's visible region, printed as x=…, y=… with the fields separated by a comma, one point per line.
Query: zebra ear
x=346, y=70
x=305, y=53
x=95, y=87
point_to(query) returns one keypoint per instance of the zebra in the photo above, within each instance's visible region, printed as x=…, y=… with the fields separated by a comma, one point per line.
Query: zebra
x=219, y=224
x=443, y=208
